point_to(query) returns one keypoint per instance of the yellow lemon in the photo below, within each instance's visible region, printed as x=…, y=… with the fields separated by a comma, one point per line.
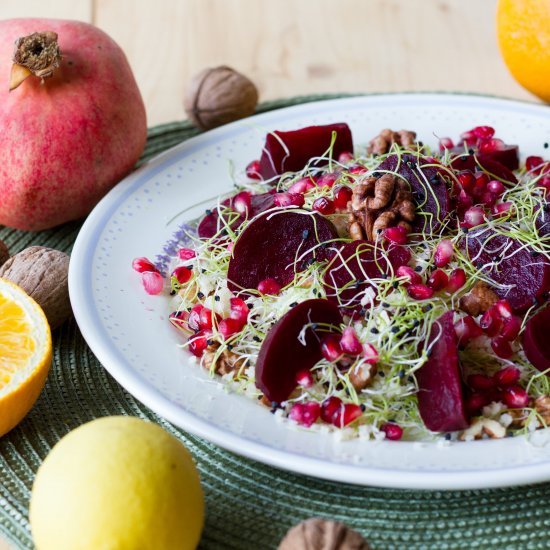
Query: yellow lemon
x=523, y=29
x=117, y=483
x=25, y=353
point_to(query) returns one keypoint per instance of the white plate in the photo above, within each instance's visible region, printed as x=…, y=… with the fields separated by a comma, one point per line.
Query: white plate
x=130, y=334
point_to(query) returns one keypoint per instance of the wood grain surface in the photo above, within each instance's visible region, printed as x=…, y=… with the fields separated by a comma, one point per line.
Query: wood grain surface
x=291, y=47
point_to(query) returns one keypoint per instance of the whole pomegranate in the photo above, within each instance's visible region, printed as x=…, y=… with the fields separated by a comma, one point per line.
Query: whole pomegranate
x=72, y=120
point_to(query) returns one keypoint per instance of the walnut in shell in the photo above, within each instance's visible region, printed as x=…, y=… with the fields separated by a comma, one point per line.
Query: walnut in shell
x=4, y=253
x=218, y=96
x=43, y=274
x=322, y=534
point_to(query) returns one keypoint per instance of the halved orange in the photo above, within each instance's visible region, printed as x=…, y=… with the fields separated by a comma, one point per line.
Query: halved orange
x=25, y=354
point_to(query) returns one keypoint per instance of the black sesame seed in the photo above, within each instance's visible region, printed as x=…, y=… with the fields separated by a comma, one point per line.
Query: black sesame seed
x=471, y=152
x=208, y=212
x=378, y=231
x=203, y=270
x=416, y=322
x=189, y=308
x=428, y=307
x=395, y=330
x=448, y=437
x=189, y=267
x=545, y=295
x=465, y=230
x=395, y=284
x=382, y=374
x=314, y=326
x=293, y=304
x=510, y=434
x=545, y=145
x=172, y=293
x=535, y=301
x=210, y=342
x=229, y=347
x=374, y=330
x=534, y=253
x=256, y=339
x=223, y=232
x=418, y=268
x=463, y=158
x=305, y=234
x=420, y=144
x=274, y=404
x=200, y=295
x=363, y=408
x=217, y=298
x=384, y=304
x=259, y=398
x=410, y=379
x=401, y=374
x=377, y=174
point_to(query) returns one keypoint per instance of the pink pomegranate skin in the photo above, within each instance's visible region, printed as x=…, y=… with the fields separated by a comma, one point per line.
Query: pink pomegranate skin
x=66, y=141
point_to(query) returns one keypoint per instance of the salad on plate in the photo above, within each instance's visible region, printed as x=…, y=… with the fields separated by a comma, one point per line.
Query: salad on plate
x=388, y=291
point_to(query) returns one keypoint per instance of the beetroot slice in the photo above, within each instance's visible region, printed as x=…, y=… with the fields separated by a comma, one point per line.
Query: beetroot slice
x=428, y=187
x=440, y=396
x=536, y=343
x=530, y=274
x=208, y=226
x=488, y=163
x=347, y=276
x=508, y=156
x=301, y=146
x=282, y=355
x=269, y=246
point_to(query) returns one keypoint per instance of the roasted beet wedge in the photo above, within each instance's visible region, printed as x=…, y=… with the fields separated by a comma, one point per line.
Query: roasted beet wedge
x=508, y=156
x=428, y=187
x=486, y=163
x=300, y=146
x=526, y=275
x=536, y=343
x=208, y=226
x=440, y=396
x=275, y=246
x=284, y=352
x=346, y=279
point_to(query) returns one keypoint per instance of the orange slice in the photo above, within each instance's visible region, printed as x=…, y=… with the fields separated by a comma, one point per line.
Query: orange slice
x=25, y=353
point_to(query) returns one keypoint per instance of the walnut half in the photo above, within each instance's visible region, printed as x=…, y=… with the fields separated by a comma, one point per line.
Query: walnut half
x=226, y=362
x=382, y=143
x=480, y=299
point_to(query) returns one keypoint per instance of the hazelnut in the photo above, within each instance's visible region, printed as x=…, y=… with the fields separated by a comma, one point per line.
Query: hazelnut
x=322, y=534
x=4, y=253
x=218, y=96
x=43, y=274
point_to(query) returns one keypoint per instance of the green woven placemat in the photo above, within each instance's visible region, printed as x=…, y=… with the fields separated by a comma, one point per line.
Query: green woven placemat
x=249, y=506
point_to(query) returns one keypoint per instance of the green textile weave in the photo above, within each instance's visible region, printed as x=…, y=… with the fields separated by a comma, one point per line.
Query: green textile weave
x=249, y=505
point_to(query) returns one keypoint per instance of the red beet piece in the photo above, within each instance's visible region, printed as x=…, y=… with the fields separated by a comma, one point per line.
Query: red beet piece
x=300, y=146
x=428, y=187
x=487, y=163
x=282, y=354
x=440, y=396
x=508, y=156
x=208, y=226
x=536, y=343
x=270, y=245
x=347, y=276
x=527, y=274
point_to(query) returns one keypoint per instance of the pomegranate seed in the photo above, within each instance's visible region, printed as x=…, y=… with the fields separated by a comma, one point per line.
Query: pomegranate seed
x=511, y=328
x=152, y=282
x=205, y=318
x=182, y=274
x=515, y=397
x=531, y=163
x=305, y=414
x=324, y=206
x=420, y=292
x=143, y=264
x=490, y=322
x=330, y=409
x=475, y=402
x=457, y=279
x=445, y=143
x=349, y=342
x=304, y=378
x=508, y=376
x=180, y=319
x=289, y=199
x=303, y=185
x=464, y=200
x=241, y=202
x=488, y=199
x=345, y=157
x=253, y=170
x=469, y=138
x=342, y=195
x=467, y=329
x=474, y=216
x=483, y=132
x=358, y=170
x=490, y=145
x=545, y=184
x=480, y=382
x=228, y=327
x=410, y=275
x=443, y=253
x=238, y=310
x=186, y=254
x=397, y=235
x=194, y=320
x=438, y=280
x=502, y=209
x=198, y=343
x=269, y=286
x=482, y=180
x=496, y=187
x=393, y=431
x=370, y=354
x=327, y=180
x=466, y=179
x=330, y=348
x=503, y=309
x=502, y=347
x=347, y=414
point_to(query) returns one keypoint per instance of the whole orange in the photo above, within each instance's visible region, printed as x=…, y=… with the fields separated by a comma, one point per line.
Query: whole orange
x=523, y=29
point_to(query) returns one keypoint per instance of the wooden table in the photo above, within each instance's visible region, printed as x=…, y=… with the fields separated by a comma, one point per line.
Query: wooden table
x=291, y=47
